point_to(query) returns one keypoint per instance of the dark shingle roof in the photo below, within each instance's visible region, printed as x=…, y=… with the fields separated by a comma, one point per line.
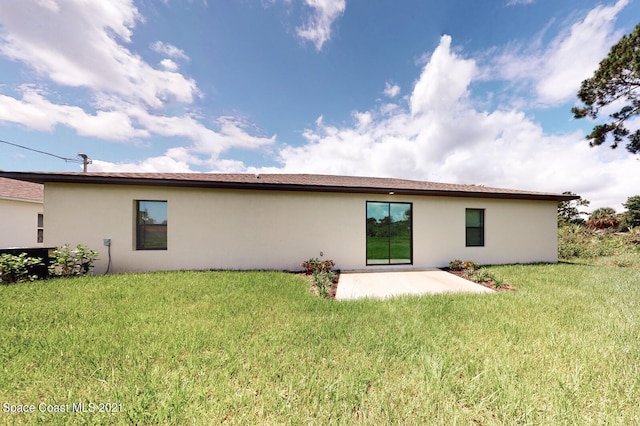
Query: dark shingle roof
x=21, y=190
x=287, y=182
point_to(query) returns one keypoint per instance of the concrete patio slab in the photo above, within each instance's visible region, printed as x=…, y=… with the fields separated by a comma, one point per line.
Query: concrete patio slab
x=382, y=285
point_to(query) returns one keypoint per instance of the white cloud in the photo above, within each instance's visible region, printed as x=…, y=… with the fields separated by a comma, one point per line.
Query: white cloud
x=574, y=56
x=519, y=2
x=441, y=136
x=434, y=133
x=81, y=44
x=150, y=165
x=36, y=112
x=556, y=71
x=318, y=28
x=169, y=65
x=391, y=90
x=207, y=144
x=443, y=82
x=437, y=134
x=363, y=119
x=169, y=50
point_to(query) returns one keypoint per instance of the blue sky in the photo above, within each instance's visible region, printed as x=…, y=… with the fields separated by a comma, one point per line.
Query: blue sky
x=456, y=91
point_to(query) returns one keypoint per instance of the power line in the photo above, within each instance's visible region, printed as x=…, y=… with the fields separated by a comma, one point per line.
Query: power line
x=40, y=152
x=72, y=160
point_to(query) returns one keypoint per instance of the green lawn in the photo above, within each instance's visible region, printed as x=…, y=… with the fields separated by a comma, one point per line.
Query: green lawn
x=378, y=248
x=259, y=348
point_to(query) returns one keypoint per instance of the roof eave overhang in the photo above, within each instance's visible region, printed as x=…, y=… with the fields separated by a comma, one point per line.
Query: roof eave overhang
x=262, y=186
x=22, y=200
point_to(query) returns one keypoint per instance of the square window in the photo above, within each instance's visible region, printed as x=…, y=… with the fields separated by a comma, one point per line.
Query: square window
x=151, y=225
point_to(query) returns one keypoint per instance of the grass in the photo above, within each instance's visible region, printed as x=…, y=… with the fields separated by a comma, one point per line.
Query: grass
x=383, y=248
x=259, y=348
x=581, y=244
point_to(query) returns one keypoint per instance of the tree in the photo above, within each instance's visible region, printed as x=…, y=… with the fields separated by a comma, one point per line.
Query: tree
x=568, y=210
x=407, y=215
x=616, y=79
x=632, y=216
x=603, y=218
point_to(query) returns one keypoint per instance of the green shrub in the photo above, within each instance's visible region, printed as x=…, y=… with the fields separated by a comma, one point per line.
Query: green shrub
x=459, y=265
x=456, y=265
x=473, y=272
x=577, y=241
x=481, y=276
x=471, y=265
x=623, y=262
x=609, y=245
x=469, y=274
x=312, y=265
x=633, y=236
x=568, y=250
x=71, y=262
x=323, y=281
x=322, y=275
x=15, y=269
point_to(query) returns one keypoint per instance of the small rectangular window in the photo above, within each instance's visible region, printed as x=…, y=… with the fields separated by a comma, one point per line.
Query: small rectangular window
x=474, y=227
x=40, y=230
x=151, y=225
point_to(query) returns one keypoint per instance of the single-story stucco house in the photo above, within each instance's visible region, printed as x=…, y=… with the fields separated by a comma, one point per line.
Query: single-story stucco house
x=169, y=221
x=21, y=213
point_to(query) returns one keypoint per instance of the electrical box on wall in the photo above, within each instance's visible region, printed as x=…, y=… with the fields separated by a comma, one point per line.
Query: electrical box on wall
x=107, y=242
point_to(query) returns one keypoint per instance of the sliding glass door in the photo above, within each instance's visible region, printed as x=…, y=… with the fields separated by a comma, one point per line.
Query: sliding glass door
x=389, y=233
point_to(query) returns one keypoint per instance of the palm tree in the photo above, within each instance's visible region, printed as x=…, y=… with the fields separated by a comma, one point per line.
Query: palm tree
x=603, y=218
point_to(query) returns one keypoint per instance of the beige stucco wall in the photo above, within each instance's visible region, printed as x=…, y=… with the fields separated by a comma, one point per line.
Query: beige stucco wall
x=232, y=229
x=19, y=223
